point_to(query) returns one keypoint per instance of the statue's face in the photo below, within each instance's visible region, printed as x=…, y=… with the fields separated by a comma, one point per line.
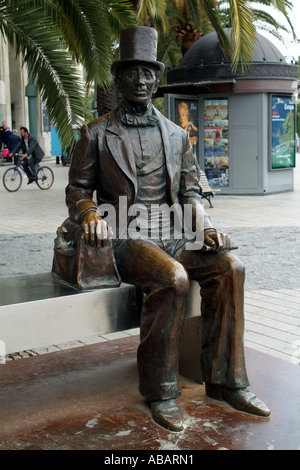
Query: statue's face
x=137, y=83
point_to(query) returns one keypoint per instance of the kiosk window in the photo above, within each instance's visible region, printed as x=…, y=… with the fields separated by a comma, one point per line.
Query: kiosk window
x=186, y=116
x=216, y=157
x=283, y=132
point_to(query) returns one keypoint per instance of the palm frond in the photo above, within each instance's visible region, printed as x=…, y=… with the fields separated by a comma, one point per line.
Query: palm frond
x=119, y=15
x=268, y=22
x=243, y=33
x=214, y=15
x=150, y=8
x=54, y=37
x=48, y=63
x=86, y=30
x=194, y=12
x=283, y=6
x=168, y=52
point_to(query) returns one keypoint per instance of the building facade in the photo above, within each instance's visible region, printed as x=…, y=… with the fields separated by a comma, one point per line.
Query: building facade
x=20, y=103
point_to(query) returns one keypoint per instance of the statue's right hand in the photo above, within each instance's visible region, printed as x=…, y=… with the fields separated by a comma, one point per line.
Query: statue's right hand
x=95, y=229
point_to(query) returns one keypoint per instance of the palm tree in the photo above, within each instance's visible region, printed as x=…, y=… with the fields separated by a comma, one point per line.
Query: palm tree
x=193, y=18
x=182, y=22
x=54, y=37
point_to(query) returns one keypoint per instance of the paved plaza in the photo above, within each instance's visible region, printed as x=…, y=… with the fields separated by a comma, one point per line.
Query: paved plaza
x=266, y=229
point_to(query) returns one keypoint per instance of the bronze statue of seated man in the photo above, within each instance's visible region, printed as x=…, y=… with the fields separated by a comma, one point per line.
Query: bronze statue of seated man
x=135, y=154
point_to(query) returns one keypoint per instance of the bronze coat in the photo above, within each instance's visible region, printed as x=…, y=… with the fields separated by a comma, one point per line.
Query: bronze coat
x=103, y=161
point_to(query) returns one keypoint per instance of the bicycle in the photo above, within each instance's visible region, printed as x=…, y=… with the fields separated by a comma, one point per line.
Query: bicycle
x=12, y=177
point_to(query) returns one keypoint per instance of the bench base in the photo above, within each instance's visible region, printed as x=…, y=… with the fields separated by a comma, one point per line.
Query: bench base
x=38, y=311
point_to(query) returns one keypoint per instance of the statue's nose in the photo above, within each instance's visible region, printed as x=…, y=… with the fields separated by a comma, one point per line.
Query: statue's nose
x=140, y=78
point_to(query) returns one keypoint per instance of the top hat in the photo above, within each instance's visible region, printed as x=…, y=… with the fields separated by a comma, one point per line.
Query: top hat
x=138, y=44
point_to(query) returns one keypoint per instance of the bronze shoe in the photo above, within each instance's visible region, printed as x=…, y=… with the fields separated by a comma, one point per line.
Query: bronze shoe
x=239, y=398
x=168, y=414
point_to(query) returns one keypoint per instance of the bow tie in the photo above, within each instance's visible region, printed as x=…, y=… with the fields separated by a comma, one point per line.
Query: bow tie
x=139, y=121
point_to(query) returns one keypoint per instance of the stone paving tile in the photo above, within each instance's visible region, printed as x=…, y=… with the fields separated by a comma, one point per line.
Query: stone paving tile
x=272, y=331
x=31, y=352
x=289, y=301
x=69, y=345
x=273, y=307
x=116, y=335
x=132, y=332
x=253, y=342
x=93, y=339
x=73, y=344
x=279, y=324
x=263, y=338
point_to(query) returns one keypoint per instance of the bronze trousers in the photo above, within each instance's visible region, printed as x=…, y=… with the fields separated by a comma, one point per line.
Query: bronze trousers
x=164, y=281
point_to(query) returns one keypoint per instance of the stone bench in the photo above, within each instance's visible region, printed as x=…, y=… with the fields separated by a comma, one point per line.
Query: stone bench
x=38, y=311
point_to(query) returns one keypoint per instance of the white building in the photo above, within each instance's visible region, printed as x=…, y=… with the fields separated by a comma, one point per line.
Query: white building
x=15, y=104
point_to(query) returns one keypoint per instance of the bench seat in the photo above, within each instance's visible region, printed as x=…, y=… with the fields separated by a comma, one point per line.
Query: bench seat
x=207, y=192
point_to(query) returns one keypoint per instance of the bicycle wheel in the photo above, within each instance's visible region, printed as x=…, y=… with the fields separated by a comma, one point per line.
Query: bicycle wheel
x=12, y=179
x=45, y=177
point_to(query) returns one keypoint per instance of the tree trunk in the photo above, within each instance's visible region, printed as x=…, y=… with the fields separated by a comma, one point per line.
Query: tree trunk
x=188, y=36
x=107, y=98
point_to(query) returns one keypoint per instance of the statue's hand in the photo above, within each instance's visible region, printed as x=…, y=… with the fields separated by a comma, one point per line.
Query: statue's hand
x=96, y=230
x=216, y=242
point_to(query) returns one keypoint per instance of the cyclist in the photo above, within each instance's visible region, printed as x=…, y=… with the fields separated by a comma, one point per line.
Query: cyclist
x=32, y=153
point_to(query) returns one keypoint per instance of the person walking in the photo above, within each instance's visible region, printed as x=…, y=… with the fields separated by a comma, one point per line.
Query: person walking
x=2, y=131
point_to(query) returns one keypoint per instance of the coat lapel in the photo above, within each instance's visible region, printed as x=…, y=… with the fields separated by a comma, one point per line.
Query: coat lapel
x=119, y=145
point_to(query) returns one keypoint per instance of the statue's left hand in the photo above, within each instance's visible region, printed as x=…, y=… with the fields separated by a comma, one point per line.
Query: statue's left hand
x=96, y=230
x=216, y=242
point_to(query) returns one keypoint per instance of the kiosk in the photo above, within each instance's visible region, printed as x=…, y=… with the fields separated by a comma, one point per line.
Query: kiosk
x=241, y=123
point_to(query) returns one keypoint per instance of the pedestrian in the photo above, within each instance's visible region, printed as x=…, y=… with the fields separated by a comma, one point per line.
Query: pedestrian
x=32, y=153
x=7, y=133
x=2, y=131
x=13, y=140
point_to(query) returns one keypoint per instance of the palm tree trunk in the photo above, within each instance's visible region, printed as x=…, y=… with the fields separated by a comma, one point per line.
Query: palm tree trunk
x=188, y=34
x=107, y=98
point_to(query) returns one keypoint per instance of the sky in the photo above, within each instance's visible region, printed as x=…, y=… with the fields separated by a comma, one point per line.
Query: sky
x=289, y=48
